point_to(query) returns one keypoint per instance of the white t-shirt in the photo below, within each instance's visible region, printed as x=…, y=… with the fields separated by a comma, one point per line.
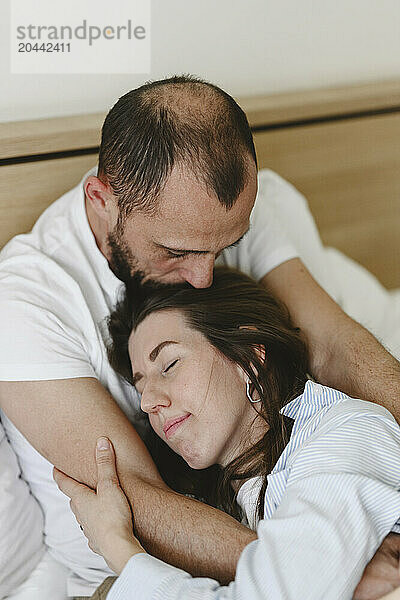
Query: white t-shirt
x=56, y=290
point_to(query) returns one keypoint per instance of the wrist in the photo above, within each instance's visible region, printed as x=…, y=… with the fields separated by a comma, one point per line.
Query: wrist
x=123, y=551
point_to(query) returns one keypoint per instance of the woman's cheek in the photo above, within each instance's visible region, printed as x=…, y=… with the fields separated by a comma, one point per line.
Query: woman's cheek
x=155, y=424
x=194, y=453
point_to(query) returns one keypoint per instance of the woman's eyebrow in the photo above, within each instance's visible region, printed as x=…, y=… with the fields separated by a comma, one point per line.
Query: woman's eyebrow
x=152, y=356
x=154, y=353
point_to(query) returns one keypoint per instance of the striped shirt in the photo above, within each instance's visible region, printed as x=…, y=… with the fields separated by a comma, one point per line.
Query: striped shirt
x=331, y=499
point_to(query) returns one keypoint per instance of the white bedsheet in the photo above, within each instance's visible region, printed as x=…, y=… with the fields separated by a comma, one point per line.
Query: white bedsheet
x=362, y=297
x=21, y=522
x=48, y=581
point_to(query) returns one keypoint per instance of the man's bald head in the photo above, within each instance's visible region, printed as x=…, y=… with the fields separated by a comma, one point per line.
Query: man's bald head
x=181, y=121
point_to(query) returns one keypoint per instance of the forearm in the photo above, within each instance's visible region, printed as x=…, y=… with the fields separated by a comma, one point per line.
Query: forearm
x=181, y=531
x=356, y=363
x=63, y=420
x=184, y=532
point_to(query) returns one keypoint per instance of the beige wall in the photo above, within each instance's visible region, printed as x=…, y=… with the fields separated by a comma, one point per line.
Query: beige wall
x=246, y=46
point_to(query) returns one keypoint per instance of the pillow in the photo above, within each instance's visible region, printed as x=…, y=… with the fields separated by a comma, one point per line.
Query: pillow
x=21, y=523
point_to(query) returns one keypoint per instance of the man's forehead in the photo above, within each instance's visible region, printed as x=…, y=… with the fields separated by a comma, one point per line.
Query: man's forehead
x=195, y=211
x=184, y=188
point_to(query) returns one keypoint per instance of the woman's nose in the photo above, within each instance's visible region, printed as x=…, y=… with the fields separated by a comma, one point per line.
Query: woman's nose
x=152, y=400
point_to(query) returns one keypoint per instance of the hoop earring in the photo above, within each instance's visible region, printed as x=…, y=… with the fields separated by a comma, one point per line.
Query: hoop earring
x=248, y=393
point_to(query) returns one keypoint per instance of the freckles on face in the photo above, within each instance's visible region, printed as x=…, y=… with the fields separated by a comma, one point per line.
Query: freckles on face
x=172, y=361
x=218, y=429
x=188, y=377
x=176, y=384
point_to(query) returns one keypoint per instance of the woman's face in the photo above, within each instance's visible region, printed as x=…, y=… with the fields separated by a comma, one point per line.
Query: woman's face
x=195, y=398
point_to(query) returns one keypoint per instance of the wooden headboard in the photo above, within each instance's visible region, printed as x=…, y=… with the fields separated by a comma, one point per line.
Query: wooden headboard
x=340, y=147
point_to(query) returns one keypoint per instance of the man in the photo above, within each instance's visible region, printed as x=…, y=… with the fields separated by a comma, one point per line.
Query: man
x=175, y=190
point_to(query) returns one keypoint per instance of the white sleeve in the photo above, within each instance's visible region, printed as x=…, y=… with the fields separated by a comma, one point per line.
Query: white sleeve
x=43, y=322
x=316, y=545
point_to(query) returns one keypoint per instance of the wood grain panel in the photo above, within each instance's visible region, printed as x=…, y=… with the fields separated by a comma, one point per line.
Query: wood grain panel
x=274, y=109
x=40, y=136
x=374, y=243
x=350, y=173
x=27, y=189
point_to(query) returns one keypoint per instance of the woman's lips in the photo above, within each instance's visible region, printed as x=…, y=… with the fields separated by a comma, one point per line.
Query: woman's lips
x=172, y=425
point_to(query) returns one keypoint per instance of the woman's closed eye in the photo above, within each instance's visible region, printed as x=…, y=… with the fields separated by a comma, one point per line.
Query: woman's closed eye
x=171, y=365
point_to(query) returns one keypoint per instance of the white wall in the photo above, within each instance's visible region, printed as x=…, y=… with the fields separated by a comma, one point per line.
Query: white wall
x=245, y=46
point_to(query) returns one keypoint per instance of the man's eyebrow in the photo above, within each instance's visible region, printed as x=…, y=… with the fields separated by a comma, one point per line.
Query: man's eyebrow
x=152, y=356
x=182, y=251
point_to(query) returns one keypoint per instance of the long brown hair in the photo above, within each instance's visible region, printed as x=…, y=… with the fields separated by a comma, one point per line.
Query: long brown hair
x=237, y=316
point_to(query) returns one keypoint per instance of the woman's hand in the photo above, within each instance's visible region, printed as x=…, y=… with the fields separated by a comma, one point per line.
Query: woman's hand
x=104, y=515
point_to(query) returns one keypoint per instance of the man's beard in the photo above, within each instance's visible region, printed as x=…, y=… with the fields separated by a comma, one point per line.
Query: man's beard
x=121, y=261
x=124, y=265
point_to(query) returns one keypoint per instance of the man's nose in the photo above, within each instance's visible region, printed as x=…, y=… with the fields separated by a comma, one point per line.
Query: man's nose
x=152, y=400
x=199, y=272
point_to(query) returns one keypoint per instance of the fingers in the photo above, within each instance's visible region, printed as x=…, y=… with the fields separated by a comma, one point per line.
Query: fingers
x=106, y=469
x=67, y=485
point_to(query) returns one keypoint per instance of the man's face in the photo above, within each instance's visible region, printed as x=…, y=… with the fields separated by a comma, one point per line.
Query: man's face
x=181, y=241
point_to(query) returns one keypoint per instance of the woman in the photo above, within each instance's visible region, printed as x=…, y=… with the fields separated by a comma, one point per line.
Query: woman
x=223, y=378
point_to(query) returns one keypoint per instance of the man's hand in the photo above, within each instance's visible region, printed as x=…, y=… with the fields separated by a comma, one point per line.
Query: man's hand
x=382, y=574
x=105, y=514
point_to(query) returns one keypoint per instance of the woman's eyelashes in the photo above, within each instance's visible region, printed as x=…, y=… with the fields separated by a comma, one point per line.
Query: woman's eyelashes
x=140, y=385
x=171, y=365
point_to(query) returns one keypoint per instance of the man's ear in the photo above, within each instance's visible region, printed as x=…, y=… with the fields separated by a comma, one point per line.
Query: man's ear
x=101, y=198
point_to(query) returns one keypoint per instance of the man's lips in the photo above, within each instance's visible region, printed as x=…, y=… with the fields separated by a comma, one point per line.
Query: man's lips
x=171, y=425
